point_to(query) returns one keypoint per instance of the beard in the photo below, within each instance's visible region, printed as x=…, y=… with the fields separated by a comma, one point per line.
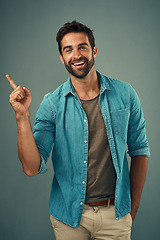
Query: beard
x=81, y=72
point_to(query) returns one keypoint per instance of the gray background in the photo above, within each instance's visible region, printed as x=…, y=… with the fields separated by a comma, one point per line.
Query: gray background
x=127, y=37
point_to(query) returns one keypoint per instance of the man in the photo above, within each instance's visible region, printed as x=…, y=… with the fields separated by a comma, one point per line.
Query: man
x=89, y=119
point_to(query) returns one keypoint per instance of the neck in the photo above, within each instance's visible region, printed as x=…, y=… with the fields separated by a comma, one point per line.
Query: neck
x=86, y=88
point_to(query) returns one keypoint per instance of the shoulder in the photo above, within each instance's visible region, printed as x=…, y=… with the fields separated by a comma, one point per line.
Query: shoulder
x=119, y=92
x=117, y=84
x=56, y=93
x=112, y=83
x=52, y=100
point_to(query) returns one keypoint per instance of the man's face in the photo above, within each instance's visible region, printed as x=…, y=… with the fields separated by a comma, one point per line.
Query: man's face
x=77, y=54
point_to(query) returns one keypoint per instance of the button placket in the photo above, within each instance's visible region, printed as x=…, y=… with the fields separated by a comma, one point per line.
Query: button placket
x=84, y=175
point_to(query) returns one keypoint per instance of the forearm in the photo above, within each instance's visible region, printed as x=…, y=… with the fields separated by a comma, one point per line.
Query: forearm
x=138, y=173
x=27, y=150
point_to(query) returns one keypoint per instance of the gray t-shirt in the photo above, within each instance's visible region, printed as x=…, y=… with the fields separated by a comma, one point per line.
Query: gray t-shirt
x=101, y=176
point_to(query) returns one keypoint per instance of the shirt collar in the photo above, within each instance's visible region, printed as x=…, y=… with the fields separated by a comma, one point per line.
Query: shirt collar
x=104, y=83
x=68, y=88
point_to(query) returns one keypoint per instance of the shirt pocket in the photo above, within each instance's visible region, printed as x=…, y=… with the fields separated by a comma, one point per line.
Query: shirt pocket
x=120, y=121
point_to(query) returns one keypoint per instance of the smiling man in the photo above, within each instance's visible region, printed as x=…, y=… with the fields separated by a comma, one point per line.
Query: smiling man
x=77, y=54
x=88, y=121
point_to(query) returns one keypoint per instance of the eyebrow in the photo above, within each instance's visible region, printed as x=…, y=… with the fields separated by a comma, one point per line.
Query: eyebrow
x=81, y=44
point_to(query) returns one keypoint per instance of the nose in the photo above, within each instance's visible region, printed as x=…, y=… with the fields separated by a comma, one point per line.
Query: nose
x=76, y=54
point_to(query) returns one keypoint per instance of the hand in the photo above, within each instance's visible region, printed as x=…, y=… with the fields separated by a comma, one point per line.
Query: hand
x=20, y=98
x=133, y=212
x=132, y=216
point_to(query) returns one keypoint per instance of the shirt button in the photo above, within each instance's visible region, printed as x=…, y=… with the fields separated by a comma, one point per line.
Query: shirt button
x=85, y=141
x=81, y=203
x=83, y=182
x=85, y=120
x=85, y=161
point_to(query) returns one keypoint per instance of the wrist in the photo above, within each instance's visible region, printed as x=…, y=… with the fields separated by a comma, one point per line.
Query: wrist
x=20, y=117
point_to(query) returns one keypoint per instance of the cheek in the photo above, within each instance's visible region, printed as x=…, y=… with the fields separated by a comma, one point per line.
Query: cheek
x=66, y=60
x=90, y=57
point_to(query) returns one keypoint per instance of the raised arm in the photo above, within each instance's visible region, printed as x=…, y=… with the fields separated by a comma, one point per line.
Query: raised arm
x=20, y=100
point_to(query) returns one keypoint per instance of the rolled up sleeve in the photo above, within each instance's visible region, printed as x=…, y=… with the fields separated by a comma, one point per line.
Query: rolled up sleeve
x=137, y=138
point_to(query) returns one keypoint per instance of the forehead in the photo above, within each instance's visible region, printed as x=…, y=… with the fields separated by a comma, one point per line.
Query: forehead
x=74, y=39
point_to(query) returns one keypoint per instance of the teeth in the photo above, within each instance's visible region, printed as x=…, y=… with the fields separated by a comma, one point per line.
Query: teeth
x=76, y=64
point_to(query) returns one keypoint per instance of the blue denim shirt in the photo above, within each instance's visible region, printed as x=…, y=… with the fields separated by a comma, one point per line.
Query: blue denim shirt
x=62, y=121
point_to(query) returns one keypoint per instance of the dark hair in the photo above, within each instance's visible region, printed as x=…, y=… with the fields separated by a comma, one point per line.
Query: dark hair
x=75, y=27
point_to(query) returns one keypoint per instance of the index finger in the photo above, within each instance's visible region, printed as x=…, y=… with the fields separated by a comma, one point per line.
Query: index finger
x=12, y=83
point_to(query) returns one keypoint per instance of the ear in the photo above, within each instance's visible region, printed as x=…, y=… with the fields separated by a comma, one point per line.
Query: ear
x=61, y=58
x=95, y=51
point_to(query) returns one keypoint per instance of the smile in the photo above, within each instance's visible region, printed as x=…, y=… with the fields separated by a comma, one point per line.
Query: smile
x=78, y=64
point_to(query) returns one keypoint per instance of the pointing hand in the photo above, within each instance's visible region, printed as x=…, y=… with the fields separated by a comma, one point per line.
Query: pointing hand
x=20, y=98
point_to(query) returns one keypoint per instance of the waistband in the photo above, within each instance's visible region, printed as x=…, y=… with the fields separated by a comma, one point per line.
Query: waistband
x=102, y=203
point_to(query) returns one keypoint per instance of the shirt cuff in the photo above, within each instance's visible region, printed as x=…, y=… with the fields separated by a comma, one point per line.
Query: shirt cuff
x=140, y=152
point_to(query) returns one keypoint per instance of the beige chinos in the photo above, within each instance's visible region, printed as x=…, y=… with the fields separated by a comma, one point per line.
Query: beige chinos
x=98, y=223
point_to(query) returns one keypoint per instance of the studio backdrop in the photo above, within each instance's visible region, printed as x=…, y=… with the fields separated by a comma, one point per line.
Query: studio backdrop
x=127, y=37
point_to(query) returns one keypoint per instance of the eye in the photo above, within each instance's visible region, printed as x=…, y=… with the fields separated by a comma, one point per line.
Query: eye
x=68, y=50
x=83, y=47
